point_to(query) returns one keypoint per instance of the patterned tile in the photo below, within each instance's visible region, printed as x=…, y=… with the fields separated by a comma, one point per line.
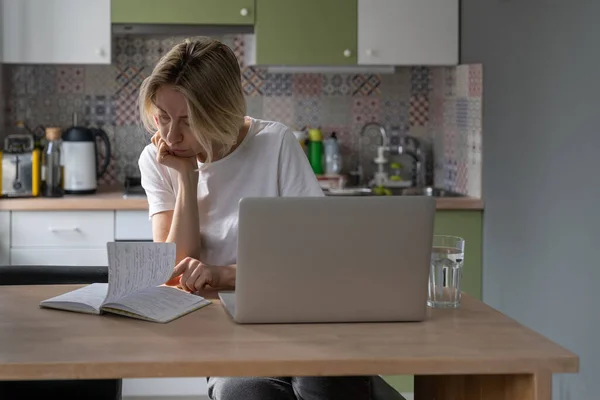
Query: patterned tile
x=280, y=109
x=436, y=113
x=130, y=141
x=366, y=109
x=475, y=80
x=153, y=52
x=337, y=85
x=99, y=110
x=419, y=110
x=337, y=110
x=307, y=112
x=307, y=84
x=238, y=48
x=130, y=51
x=462, y=113
x=100, y=80
x=254, y=106
x=397, y=84
x=253, y=80
x=419, y=80
x=129, y=79
x=449, y=82
x=19, y=80
x=278, y=85
x=461, y=84
x=70, y=79
x=365, y=85
x=126, y=109
x=69, y=108
x=17, y=108
x=395, y=114
x=45, y=79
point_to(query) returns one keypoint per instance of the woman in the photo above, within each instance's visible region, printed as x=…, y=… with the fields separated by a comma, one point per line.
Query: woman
x=205, y=156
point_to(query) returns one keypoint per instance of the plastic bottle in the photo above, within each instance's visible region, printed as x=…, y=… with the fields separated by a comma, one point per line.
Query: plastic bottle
x=333, y=160
x=315, y=151
x=51, y=165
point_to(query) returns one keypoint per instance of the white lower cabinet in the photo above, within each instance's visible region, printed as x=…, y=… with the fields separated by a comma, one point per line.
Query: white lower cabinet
x=58, y=229
x=95, y=257
x=132, y=225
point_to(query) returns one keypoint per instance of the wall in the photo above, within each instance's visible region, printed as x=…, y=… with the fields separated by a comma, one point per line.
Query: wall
x=433, y=104
x=540, y=177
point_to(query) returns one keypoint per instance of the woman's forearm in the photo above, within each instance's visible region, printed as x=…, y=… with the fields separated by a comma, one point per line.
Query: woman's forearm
x=185, y=227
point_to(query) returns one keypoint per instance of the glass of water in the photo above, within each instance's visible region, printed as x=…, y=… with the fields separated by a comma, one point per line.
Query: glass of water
x=447, y=258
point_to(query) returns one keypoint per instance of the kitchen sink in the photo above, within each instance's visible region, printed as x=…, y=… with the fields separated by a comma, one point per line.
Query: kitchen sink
x=412, y=191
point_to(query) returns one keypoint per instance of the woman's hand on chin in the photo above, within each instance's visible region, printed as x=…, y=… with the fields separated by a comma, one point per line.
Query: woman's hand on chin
x=193, y=275
x=165, y=156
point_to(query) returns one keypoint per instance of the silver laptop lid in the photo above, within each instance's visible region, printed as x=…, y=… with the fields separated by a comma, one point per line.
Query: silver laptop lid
x=328, y=259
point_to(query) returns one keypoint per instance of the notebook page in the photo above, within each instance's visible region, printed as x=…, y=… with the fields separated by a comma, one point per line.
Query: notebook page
x=162, y=303
x=90, y=296
x=133, y=266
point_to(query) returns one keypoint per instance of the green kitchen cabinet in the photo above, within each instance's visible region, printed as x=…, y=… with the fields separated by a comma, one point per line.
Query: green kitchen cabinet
x=468, y=225
x=205, y=12
x=307, y=32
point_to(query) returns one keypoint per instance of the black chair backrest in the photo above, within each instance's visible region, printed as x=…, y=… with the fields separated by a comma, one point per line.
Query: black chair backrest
x=51, y=275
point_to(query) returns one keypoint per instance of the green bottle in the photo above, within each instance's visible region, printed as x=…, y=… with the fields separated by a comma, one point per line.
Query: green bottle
x=315, y=151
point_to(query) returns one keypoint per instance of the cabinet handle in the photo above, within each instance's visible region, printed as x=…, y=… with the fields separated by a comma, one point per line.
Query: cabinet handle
x=59, y=230
x=347, y=53
x=244, y=12
x=100, y=52
x=370, y=52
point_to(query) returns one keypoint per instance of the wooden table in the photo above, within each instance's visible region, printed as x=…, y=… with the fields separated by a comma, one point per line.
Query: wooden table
x=474, y=352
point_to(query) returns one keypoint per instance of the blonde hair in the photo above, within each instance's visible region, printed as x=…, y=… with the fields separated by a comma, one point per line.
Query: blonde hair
x=208, y=75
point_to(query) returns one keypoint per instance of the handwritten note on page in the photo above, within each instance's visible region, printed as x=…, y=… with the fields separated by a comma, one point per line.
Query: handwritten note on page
x=91, y=296
x=138, y=265
x=161, y=303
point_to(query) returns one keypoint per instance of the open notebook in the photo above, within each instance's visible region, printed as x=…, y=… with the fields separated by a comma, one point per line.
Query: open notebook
x=137, y=272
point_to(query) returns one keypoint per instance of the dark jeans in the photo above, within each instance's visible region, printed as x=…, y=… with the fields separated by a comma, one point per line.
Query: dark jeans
x=282, y=388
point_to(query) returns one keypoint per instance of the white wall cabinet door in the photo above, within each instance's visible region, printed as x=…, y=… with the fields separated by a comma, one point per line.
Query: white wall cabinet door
x=408, y=32
x=56, y=31
x=4, y=237
x=93, y=257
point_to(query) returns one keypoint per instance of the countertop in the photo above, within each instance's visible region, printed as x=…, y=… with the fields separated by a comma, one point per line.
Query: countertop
x=111, y=198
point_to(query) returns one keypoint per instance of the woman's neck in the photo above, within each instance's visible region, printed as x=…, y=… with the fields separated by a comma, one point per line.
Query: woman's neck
x=240, y=138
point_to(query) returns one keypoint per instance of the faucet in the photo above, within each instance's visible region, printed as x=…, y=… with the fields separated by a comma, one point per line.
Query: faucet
x=384, y=142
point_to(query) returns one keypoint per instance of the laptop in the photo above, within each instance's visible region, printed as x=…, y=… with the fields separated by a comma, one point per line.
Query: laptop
x=332, y=259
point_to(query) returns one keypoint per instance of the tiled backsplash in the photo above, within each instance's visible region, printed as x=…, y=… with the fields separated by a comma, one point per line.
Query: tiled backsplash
x=440, y=105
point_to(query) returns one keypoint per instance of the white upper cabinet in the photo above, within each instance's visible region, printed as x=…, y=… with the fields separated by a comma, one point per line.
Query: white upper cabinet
x=408, y=32
x=56, y=31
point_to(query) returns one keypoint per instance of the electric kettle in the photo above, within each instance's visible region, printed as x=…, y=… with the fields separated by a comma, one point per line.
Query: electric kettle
x=80, y=158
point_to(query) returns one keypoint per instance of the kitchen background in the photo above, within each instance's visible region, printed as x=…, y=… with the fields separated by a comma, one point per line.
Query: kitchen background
x=440, y=105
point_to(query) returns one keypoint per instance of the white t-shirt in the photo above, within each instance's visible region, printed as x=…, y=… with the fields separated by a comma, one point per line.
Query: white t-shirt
x=268, y=163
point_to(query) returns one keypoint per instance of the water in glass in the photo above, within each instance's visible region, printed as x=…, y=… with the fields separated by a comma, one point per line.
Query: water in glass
x=447, y=257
